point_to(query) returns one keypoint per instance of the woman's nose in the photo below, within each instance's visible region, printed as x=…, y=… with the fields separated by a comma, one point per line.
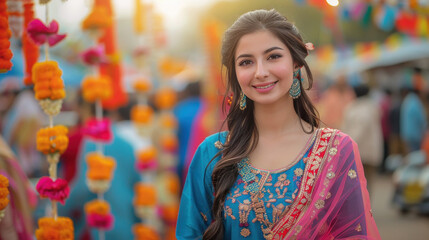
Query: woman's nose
x=261, y=70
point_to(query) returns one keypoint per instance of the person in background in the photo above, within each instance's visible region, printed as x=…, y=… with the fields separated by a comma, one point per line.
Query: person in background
x=17, y=223
x=334, y=101
x=363, y=123
x=385, y=106
x=22, y=117
x=186, y=110
x=413, y=118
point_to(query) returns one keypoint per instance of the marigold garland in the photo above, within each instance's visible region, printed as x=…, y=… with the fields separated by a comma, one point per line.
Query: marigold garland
x=4, y=192
x=141, y=114
x=5, y=34
x=100, y=167
x=169, y=143
x=98, y=19
x=142, y=85
x=51, y=229
x=96, y=88
x=165, y=98
x=170, y=213
x=52, y=139
x=56, y=190
x=145, y=195
x=143, y=232
x=168, y=121
x=47, y=81
x=98, y=214
x=146, y=159
x=98, y=207
x=29, y=48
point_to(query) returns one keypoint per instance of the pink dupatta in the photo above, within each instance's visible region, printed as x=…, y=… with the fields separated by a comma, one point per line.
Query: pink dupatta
x=333, y=202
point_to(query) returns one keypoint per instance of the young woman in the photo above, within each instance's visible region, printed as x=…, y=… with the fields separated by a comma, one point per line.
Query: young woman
x=274, y=174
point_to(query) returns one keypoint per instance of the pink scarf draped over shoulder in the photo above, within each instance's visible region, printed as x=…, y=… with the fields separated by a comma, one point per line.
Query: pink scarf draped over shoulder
x=333, y=202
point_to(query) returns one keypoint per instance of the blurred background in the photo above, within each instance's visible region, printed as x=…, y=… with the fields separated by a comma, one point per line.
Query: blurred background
x=370, y=67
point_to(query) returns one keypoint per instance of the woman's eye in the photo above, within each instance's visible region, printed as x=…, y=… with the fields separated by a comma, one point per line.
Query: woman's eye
x=245, y=62
x=274, y=56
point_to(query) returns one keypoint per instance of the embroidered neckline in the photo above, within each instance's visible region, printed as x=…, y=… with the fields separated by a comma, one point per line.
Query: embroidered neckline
x=303, y=151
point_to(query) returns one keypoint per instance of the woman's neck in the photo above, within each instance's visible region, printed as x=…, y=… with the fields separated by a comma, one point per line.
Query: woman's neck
x=276, y=120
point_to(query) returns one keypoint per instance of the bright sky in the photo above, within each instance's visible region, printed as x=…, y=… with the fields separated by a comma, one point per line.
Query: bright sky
x=71, y=12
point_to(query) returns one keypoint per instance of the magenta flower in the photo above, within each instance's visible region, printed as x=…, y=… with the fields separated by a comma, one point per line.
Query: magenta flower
x=104, y=222
x=150, y=165
x=98, y=130
x=40, y=33
x=94, y=56
x=57, y=190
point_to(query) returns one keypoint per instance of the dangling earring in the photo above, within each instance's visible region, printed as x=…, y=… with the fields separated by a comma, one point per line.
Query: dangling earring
x=243, y=103
x=295, y=89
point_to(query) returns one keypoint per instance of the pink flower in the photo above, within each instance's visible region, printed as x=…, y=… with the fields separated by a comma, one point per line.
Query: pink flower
x=150, y=165
x=94, y=56
x=98, y=129
x=57, y=190
x=40, y=33
x=104, y=222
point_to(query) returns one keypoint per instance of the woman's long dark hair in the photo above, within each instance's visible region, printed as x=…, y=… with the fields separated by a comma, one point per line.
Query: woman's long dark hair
x=243, y=134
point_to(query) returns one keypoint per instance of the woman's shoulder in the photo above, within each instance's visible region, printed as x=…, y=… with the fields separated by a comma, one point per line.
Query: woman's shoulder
x=215, y=141
x=337, y=135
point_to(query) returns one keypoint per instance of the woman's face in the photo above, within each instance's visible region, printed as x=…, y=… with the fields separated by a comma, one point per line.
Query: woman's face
x=264, y=67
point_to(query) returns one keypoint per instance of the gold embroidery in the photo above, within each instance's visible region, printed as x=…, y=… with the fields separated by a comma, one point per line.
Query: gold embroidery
x=319, y=204
x=204, y=216
x=245, y=232
x=218, y=145
x=333, y=151
x=330, y=175
x=352, y=174
x=358, y=228
x=298, y=172
x=328, y=195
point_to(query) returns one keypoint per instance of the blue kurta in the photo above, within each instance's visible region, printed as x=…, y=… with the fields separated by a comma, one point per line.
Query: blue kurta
x=257, y=200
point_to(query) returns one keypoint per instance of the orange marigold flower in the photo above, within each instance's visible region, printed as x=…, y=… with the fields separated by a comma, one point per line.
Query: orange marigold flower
x=170, y=212
x=4, y=182
x=147, y=154
x=169, y=143
x=47, y=81
x=143, y=232
x=4, y=192
x=52, y=139
x=165, y=98
x=96, y=88
x=173, y=184
x=98, y=19
x=168, y=121
x=142, y=85
x=141, y=114
x=3, y=203
x=97, y=206
x=145, y=195
x=99, y=167
x=51, y=229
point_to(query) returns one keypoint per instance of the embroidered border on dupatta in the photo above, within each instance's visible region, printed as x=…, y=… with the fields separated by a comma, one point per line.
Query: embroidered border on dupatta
x=316, y=160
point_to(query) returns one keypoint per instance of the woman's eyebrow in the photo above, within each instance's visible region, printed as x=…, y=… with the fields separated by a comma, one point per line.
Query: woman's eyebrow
x=265, y=52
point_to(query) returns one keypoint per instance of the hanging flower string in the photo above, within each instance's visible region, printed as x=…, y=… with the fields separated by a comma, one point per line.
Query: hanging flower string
x=95, y=89
x=5, y=34
x=29, y=48
x=52, y=140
